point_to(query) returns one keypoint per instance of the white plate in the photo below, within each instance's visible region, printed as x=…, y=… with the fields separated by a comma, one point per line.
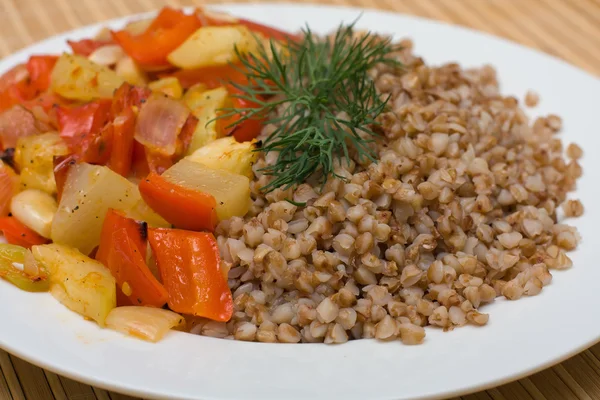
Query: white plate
x=521, y=338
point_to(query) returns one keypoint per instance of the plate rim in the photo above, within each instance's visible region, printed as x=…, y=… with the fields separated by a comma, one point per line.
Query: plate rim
x=134, y=391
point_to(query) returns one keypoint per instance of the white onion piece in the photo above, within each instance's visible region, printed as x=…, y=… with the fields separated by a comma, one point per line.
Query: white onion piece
x=143, y=322
x=159, y=123
x=107, y=55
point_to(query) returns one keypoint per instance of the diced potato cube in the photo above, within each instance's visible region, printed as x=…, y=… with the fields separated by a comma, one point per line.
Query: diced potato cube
x=227, y=154
x=75, y=77
x=34, y=156
x=80, y=283
x=169, y=86
x=231, y=191
x=204, y=106
x=213, y=45
x=89, y=191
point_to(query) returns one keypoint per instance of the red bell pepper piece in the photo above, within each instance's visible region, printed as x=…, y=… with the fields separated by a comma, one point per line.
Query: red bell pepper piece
x=40, y=68
x=85, y=47
x=85, y=130
x=185, y=208
x=123, y=251
x=245, y=130
x=128, y=95
x=9, y=185
x=190, y=268
x=17, y=233
x=168, y=30
x=122, y=147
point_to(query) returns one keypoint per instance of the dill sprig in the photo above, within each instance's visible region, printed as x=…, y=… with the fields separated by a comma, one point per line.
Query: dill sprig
x=327, y=97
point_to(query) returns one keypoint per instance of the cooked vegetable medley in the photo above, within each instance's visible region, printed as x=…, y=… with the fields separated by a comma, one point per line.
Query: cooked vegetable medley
x=116, y=169
x=202, y=172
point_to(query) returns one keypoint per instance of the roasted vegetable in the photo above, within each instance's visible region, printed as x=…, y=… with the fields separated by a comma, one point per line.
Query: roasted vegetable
x=227, y=154
x=165, y=33
x=34, y=209
x=9, y=185
x=230, y=123
x=89, y=191
x=204, y=106
x=231, y=191
x=80, y=283
x=169, y=86
x=143, y=322
x=123, y=251
x=34, y=156
x=17, y=233
x=190, y=268
x=84, y=129
x=181, y=206
x=75, y=77
x=19, y=268
x=213, y=45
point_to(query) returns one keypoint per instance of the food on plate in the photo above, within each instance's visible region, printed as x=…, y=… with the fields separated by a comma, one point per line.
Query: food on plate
x=202, y=172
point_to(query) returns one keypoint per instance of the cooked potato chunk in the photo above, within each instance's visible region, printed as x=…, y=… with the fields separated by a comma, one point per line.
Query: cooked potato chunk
x=80, y=283
x=204, y=106
x=75, y=77
x=231, y=191
x=227, y=154
x=169, y=86
x=89, y=191
x=213, y=45
x=34, y=157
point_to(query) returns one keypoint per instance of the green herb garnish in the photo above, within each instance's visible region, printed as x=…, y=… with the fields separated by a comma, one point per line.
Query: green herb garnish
x=328, y=99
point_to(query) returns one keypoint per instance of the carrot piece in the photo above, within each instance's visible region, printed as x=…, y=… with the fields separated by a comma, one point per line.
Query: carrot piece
x=17, y=233
x=190, y=267
x=185, y=208
x=122, y=250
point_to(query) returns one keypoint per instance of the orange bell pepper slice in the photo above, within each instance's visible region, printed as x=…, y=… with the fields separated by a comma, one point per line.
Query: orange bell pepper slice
x=40, y=68
x=184, y=208
x=190, y=268
x=123, y=251
x=17, y=233
x=168, y=30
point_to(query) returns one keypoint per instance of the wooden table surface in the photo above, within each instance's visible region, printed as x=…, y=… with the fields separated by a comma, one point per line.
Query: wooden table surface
x=569, y=29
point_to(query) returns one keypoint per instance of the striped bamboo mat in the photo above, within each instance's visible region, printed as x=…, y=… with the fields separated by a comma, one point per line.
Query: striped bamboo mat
x=569, y=29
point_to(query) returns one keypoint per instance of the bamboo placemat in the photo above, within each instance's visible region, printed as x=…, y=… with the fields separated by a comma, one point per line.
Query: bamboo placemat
x=569, y=29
